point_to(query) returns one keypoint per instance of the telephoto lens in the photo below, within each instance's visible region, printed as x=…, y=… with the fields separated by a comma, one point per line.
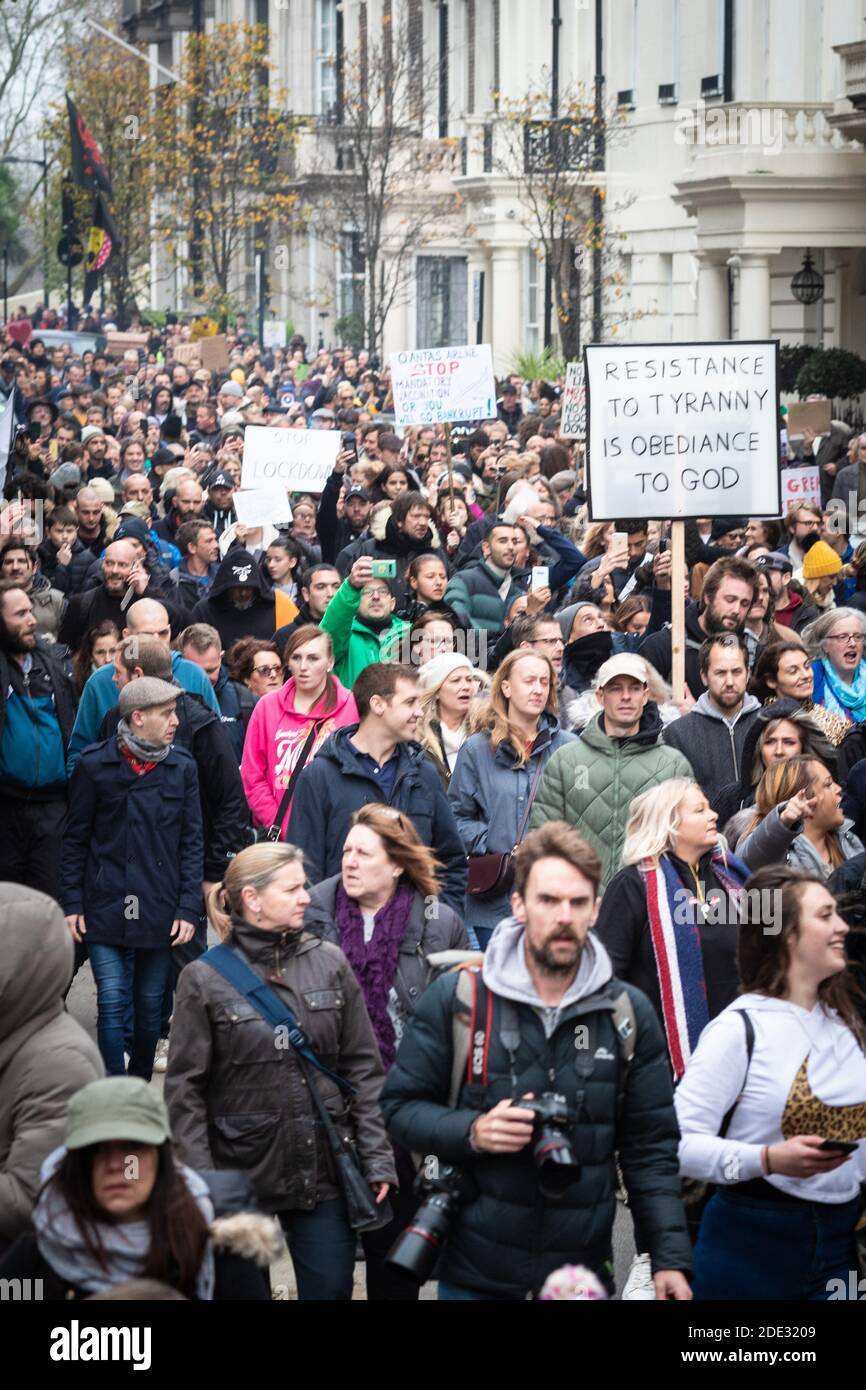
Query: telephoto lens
x=551, y=1150
x=416, y=1250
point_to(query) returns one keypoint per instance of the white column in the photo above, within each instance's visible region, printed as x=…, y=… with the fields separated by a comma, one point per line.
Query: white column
x=506, y=297
x=754, y=297
x=712, y=300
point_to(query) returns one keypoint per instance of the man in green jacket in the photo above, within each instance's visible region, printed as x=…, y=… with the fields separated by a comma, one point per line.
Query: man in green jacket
x=483, y=592
x=592, y=783
x=362, y=623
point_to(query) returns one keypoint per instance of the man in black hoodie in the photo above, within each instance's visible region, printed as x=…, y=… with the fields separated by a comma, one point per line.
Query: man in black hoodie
x=240, y=602
x=729, y=592
x=409, y=532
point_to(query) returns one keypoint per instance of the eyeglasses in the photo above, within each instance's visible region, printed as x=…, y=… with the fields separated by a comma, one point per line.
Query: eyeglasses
x=857, y=638
x=377, y=593
x=268, y=670
x=548, y=642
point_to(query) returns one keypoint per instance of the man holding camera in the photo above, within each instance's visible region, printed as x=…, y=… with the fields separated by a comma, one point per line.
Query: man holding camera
x=532, y=1187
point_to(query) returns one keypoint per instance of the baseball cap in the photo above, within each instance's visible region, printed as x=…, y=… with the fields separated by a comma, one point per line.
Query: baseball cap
x=220, y=480
x=776, y=560
x=357, y=492
x=626, y=664
x=117, y=1107
x=132, y=528
x=145, y=693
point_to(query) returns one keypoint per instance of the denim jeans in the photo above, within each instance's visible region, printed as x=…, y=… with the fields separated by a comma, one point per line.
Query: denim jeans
x=322, y=1245
x=752, y=1251
x=128, y=978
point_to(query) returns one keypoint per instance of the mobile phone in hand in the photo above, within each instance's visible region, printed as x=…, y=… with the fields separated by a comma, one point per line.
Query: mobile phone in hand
x=540, y=577
x=838, y=1146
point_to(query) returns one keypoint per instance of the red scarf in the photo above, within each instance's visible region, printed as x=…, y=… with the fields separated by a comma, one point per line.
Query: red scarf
x=138, y=768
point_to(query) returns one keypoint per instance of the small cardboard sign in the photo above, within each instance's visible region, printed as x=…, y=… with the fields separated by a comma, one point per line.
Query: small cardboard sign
x=809, y=415
x=262, y=506
x=116, y=344
x=213, y=352
x=573, y=420
x=800, y=485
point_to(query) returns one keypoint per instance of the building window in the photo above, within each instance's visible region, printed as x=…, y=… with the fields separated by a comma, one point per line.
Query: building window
x=351, y=273
x=326, y=57
x=441, y=286
x=534, y=278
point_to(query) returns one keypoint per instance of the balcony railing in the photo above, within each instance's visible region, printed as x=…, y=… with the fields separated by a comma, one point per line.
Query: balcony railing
x=853, y=57
x=556, y=146
x=770, y=127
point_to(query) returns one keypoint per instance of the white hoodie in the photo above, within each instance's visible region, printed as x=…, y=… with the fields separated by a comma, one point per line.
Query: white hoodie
x=785, y=1036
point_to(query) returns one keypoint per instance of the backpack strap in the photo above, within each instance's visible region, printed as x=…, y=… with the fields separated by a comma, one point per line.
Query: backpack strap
x=461, y=1011
x=750, y=1047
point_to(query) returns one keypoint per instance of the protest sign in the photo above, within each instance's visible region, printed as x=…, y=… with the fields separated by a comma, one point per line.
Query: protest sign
x=213, y=352
x=800, y=485
x=296, y=460
x=683, y=430
x=116, y=344
x=187, y=353
x=573, y=417
x=262, y=506
x=274, y=333
x=809, y=415
x=437, y=385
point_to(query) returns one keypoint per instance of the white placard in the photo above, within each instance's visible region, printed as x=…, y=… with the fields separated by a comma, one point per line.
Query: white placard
x=274, y=333
x=573, y=416
x=683, y=430
x=800, y=485
x=262, y=506
x=297, y=460
x=436, y=385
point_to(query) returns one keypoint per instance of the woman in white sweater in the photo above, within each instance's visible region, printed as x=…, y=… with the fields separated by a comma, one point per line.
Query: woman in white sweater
x=776, y=1077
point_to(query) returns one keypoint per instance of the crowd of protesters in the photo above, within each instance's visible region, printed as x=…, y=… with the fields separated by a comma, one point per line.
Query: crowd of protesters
x=415, y=760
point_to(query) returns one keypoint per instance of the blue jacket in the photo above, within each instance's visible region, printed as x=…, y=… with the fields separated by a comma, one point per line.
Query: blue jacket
x=36, y=719
x=100, y=695
x=132, y=857
x=488, y=797
x=336, y=783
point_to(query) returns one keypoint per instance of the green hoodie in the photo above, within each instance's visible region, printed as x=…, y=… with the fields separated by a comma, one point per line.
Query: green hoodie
x=356, y=646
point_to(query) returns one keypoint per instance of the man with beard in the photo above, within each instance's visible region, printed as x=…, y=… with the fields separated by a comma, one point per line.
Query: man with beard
x=124, y=579
x=409, y=531
x=713, y=734
x=550, y=1024
x=729, y=592
x=37, y=711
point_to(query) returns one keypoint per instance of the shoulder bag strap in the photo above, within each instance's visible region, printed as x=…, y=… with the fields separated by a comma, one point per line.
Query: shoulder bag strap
x=275, y=831
x=244, y=979
x=529, y=800
x=750, y=1047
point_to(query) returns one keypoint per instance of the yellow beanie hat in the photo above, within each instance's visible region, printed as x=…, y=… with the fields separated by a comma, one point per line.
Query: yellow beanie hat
x=821, y=560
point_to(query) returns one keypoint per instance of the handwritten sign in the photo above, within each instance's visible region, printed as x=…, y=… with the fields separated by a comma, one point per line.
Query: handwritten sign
x=437, y=385
x=573, y=424
x=800, y=485
x=683, y=430
x=274, y=333
x=262, y=506
x=297, y=460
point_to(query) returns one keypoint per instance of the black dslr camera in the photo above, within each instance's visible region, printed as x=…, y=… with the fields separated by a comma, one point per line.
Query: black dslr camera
x=416, y=1250
x=551, y=1146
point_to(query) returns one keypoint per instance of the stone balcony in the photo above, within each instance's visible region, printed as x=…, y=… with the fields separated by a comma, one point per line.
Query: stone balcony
x=849, y=117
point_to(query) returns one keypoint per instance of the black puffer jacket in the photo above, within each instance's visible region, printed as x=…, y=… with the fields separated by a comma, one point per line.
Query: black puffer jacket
x=510, y=1237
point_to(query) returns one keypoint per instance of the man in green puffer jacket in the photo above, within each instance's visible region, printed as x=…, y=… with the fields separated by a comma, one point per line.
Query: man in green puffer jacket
x=361, y=621
x=592, y=783
x=482, y=593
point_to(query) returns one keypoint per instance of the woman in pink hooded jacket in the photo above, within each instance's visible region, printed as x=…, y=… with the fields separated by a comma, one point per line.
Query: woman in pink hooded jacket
x=281, y=722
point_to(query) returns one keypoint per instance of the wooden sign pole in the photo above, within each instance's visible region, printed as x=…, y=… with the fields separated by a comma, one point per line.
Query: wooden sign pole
x=678, y=610
x=447, y=428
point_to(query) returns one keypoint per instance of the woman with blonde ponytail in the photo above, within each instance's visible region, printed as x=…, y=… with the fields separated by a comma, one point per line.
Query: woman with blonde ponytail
x=239, y=1095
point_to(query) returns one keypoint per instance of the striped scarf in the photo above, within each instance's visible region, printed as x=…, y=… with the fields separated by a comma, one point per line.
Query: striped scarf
x=677, y=950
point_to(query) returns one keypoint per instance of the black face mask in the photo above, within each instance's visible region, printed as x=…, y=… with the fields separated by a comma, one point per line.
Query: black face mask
x=587, y=654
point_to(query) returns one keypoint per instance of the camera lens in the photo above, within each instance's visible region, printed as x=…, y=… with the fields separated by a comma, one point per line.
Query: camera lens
x=417, y=1249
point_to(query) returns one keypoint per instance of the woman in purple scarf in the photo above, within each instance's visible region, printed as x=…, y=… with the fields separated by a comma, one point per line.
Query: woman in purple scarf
x=385, y=913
